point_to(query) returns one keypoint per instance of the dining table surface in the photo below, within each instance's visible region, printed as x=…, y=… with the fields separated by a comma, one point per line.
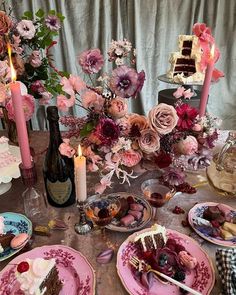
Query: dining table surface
x=91, y=244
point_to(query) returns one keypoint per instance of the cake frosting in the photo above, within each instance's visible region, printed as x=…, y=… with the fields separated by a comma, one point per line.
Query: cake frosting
x=156, y=231
x=185, y=64
x=32, y=279
x=6, y=158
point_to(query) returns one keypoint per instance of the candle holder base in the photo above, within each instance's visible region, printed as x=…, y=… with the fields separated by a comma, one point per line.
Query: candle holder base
x=84, y=225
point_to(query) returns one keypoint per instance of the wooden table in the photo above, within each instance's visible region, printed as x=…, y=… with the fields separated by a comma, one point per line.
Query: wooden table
x=107, y=280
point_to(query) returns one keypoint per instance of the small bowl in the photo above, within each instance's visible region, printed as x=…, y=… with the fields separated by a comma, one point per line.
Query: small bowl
x=101, y=210
x=156, y=193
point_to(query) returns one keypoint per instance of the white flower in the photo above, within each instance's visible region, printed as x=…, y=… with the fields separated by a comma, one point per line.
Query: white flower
x=122, y=144
x=26, y=29
x=119, y=61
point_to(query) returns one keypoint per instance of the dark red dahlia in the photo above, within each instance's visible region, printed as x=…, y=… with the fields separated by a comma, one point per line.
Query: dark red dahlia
x=107, y=131
x=163, y=160
x=187, y=116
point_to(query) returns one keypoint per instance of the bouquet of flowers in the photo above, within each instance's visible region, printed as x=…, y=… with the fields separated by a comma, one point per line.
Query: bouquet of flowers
x=29, y=41
x=115, y=141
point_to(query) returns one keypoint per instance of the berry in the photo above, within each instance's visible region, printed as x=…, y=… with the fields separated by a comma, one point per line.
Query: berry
x=178, y=210
x=23, y=267
x=179, y=276
x=103, y=213
x=186, y=188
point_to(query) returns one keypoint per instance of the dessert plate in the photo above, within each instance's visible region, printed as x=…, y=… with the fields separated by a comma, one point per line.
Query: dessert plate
x=136, y=225
x=75, y=272
x=202, y=278
x=15, y=223
x=196, y=212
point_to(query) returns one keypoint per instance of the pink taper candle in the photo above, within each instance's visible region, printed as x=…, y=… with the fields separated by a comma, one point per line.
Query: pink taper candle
x=19, y=117
x=207, y=84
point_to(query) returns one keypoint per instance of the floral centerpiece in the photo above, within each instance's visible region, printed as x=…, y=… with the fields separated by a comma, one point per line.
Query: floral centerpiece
x=115, y=141
x=29, y=41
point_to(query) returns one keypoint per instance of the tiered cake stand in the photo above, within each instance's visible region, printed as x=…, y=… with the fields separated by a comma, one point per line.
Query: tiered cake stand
x=166, y=95
x=10, y=171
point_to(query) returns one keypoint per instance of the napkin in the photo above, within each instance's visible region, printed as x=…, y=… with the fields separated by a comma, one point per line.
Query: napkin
x=226, y=265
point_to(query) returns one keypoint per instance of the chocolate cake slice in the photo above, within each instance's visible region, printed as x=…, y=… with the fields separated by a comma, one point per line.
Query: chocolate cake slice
x=5, y=241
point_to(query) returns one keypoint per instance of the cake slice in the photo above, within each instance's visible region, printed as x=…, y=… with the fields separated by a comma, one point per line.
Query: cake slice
x=5, y=241
x=38, y=277
x=153, y=239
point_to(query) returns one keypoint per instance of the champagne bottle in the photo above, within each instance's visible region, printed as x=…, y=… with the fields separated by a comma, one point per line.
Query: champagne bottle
x=58, y=170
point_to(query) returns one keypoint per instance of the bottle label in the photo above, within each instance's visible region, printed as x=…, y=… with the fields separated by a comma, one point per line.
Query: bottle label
x=59, y=191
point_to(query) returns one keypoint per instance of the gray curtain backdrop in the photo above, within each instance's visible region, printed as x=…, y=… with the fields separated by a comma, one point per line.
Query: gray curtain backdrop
x=153, y=27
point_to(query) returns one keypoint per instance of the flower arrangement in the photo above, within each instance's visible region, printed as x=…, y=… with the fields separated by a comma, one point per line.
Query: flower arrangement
x=29, y=40
x=115, y=141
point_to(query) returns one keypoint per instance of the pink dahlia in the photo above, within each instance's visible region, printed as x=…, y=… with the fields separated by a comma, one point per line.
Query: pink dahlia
x=107, y=131
x=187, y=116
x=126, y=82
x=91, y=61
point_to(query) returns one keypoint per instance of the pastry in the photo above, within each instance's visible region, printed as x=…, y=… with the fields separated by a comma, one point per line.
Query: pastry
x=5, y=241
x=137, y=214
x=187, y=260
x=231, y=227
x=211, y=213
x=136, y=207
x=127, y=220
x=19, y=241
x=225, y=234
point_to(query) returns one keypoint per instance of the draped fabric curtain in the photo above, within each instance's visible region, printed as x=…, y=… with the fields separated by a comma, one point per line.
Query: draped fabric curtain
x=153, y=27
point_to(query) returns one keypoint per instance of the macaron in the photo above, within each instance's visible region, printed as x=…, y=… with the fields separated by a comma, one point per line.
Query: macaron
x=19, y=241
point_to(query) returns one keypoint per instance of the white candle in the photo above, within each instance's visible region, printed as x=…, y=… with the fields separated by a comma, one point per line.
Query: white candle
x=80, y=176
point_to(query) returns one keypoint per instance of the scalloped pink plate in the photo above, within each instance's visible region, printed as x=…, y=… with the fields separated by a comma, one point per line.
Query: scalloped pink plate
x=75, y=272
x=202, y=278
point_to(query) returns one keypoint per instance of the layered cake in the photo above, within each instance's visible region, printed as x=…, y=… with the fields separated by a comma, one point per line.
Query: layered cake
x=6, y=158
x=185, y=64
x=38, y=277
x=151, y=240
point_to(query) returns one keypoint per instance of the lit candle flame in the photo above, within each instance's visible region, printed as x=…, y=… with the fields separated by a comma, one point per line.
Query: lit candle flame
x=212, y=53
x=13, y=72
x=79, y=151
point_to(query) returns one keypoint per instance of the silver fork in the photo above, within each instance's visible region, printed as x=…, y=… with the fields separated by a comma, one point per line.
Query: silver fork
x=141, y=265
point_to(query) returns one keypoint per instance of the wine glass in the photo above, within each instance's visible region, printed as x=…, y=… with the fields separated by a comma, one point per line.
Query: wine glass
x=156, y=194
x=101, y=210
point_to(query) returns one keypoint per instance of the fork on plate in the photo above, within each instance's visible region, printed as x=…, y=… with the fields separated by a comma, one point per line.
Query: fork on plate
x=141, y=265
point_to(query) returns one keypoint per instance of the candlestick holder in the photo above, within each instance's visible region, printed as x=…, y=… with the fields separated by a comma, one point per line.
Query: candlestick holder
x=84, y=225
x=34, y=202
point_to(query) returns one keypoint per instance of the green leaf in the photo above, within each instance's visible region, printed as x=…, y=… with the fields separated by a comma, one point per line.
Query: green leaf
x=60, y=16
x=40, y=13
x=88, y=127
x=52, y=12
x=65, y=74
x=28, y=15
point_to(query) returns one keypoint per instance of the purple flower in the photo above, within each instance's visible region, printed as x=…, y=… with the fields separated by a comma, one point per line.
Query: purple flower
x=91, y=61
x=125, y=81
x=173, y=176
x=107, y=131
x=52, y=22
x=141, y=79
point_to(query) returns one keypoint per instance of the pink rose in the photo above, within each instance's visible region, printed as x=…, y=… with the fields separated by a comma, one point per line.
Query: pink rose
x=5, y=23
x=92, y=100
x=26, y=29
x=64, y=103
x=187, y=146
x=118, y=107
x=137, y=124
x=28, y=106
x=35, y=59
x=163, y=118
x=130, y=158
x=65, y=149
x=149, y=141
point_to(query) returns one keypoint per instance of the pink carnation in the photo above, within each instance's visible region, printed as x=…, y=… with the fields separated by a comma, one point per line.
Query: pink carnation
x=73, y=84
x=130, y=158
x=64, y=103
x=92, y=100
x=37, y=87
x=46, y=96
x=65, y=149
x=91, y=61
x=28, y=106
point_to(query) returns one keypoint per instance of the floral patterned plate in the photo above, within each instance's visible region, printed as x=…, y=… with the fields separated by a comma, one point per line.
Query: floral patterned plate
x=202, y=278
x=15, y=223
x=75, y=272
x=197, y=211
x=136, y=225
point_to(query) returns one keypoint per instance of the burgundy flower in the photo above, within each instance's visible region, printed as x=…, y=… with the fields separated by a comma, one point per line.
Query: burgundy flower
x=91, y=61
x=186, y=115
x=107, y=131
x=52, y=22
x=173, y=176
x=163, y=160
x=125, y=81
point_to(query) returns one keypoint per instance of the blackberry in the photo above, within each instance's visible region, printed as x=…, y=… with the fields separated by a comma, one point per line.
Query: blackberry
x=182, y=291
x=179, y=276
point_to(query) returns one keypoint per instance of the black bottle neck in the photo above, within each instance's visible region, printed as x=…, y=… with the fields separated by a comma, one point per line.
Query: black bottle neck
x=55, y=135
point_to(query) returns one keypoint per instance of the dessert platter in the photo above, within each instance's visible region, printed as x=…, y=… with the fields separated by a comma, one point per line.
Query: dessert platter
x=214, y=222
x=170, y=252
x=15, y=232
x=134, y=214
x=56, y=268
x=10, y=159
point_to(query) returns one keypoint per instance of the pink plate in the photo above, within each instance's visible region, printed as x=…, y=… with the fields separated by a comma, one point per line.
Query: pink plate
x=197, y=211
x=75, y=272
x=202, y=278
